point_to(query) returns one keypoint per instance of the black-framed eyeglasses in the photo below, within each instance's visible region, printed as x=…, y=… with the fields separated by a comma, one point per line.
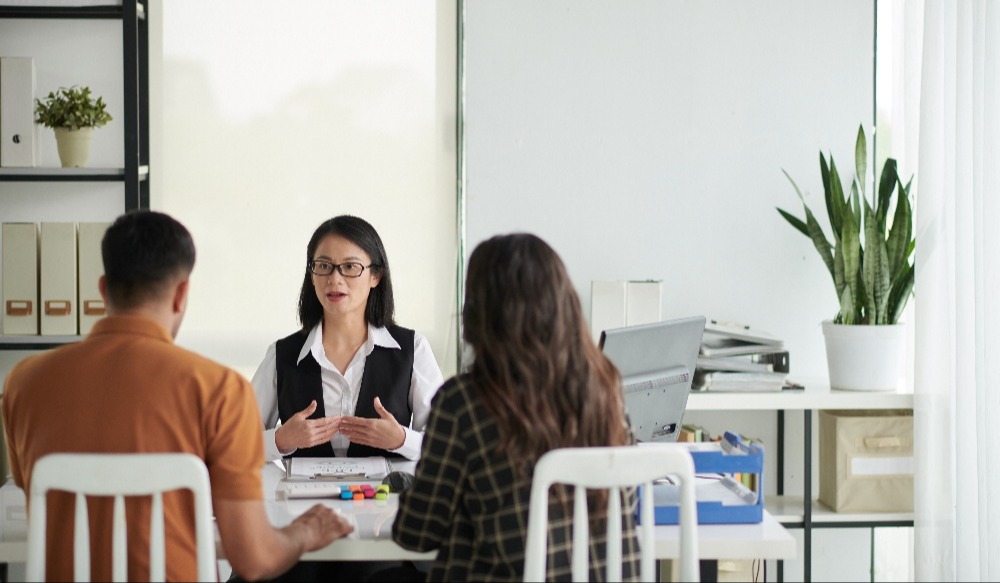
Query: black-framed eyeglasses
x=322, y=267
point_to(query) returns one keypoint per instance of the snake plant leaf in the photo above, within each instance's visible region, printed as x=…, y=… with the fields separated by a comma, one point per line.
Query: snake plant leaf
x=825, y=172
x=813, y=230
x=861, y=157
x=795, y=221
x=851, y=244
x=855, y=206
x=819, y=241
x=885, y=185
x=898, y=243
x=899, y=294
x=875, y=270
x=838, y=268
x=847, y=308
x=836, y=198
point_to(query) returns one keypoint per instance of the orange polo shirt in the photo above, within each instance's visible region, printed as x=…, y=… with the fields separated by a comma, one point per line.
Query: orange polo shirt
x=127, y=388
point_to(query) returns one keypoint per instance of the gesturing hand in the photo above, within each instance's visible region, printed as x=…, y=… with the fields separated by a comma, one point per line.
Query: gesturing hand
x=300, y=431
x=383, y=433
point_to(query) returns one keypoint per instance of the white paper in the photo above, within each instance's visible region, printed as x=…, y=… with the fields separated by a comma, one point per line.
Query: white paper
x=346, y=468
x=882, y=466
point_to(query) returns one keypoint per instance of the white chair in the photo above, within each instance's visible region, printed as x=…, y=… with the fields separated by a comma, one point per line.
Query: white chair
x=612, y=468
x=120, y=475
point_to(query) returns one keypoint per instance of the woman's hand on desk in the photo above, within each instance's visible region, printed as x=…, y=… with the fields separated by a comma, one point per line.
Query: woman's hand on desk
x=318, y=527
x=383, y=433
x=300, y=431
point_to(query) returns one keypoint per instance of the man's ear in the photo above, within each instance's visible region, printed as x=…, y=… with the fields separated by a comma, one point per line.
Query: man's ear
x=102, y=285
x=180, y=296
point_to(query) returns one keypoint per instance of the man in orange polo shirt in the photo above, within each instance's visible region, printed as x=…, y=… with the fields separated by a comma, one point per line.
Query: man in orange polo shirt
x=127, y=388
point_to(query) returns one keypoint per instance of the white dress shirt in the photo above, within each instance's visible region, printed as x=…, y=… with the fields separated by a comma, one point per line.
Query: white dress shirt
x=340, y=391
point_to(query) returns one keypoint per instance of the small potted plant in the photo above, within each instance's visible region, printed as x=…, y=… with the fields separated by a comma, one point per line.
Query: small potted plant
x=73, y=114
x=870, y=264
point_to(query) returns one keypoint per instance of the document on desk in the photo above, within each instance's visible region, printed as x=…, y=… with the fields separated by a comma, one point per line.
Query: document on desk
x=338, y=468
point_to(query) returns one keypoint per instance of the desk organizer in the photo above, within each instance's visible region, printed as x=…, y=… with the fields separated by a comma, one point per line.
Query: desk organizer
x=720, y=498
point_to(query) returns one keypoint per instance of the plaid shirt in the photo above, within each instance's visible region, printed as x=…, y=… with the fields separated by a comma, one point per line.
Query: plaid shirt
x=468, y=502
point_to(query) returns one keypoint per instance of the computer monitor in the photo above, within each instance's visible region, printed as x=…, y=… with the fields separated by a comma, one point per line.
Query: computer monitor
x=657, y=363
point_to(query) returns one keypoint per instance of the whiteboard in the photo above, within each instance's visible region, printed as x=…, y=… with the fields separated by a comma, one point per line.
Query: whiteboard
x=645, y=139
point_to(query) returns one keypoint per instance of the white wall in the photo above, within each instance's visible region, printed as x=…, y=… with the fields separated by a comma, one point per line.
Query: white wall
x=278, y=117
x=646, y=140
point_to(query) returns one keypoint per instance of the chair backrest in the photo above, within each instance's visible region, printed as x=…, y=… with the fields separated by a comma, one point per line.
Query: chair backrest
x=120, y=475
x=612, y=468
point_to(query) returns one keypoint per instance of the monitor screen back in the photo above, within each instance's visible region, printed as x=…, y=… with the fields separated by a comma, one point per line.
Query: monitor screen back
x=657, y=363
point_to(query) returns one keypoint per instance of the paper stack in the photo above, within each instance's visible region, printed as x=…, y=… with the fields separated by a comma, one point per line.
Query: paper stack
x=735, y=357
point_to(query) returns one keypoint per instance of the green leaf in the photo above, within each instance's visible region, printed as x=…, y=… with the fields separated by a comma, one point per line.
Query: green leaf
x=847, y=308
x=851, y=243
x=795, y=221
x=836, y=195
x=71, y=108
x=861, y=157
x=875, y=270
x=900, y=294
x=898, y=243
x=838, y=269
x=885, y=185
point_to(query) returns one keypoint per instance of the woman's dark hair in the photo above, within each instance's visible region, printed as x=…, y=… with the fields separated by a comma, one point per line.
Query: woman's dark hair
x=380, y=310
x=143, y=252
x=538, y=371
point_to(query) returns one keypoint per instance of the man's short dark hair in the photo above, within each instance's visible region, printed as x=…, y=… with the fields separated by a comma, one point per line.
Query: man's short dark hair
x=144, y=252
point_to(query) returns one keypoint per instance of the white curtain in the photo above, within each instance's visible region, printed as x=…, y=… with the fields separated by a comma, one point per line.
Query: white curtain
x=957, y=376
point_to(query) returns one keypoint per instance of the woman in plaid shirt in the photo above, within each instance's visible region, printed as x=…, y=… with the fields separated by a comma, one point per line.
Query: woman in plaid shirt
x=537, y=383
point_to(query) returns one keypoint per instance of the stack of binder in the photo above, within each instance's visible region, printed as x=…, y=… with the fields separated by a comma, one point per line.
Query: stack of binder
x=735, y=357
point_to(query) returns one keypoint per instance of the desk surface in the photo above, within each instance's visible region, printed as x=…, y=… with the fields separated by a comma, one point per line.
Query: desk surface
x=372, y=537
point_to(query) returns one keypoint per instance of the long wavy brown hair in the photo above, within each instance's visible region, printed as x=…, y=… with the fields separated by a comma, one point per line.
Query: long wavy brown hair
x=535, y=364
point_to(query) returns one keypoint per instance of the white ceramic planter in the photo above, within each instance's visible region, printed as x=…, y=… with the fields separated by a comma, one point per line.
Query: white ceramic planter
x=73, y=146
x=865, y=358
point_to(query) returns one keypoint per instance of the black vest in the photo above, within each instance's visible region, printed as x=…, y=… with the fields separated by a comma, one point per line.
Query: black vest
x=387, y=376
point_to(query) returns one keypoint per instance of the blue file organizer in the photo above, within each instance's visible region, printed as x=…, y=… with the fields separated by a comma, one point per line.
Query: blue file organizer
x=722, y=500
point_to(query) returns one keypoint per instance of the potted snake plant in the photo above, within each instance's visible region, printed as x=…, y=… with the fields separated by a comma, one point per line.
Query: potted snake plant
x=869, y=260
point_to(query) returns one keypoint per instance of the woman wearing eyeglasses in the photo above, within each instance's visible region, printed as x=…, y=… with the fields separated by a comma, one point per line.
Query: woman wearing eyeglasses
x=350, y=382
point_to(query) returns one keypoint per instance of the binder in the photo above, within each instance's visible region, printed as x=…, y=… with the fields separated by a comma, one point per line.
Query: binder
x=20, y=278
x=642, y=302
x=91, y=267
x=607, y=306
x=19, y=143
x=58, y=279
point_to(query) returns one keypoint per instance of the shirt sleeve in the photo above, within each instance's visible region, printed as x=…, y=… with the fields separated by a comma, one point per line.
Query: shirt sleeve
x=9, y=434
x=424, y=383
x=265, y=386
x=426, y=509
x=233, y=448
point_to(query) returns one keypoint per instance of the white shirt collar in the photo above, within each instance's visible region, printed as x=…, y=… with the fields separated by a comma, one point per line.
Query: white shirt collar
x=376, y=337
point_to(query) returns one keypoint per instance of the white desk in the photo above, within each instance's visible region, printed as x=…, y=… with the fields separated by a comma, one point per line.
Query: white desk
x=372, y=537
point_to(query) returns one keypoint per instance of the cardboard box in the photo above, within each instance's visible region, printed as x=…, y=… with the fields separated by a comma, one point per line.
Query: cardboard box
x=866, y=460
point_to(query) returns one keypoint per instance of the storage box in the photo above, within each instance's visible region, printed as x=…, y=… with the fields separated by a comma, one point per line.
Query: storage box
x=57, y=305
x=719, y=497
x=20, y=278
x=866, y=460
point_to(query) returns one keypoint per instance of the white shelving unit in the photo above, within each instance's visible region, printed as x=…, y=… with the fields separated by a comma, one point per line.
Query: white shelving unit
x=792, y=510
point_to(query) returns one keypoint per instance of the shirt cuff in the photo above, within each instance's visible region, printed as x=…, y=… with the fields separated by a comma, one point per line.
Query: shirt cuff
x=271, y=452
x=411, y=444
